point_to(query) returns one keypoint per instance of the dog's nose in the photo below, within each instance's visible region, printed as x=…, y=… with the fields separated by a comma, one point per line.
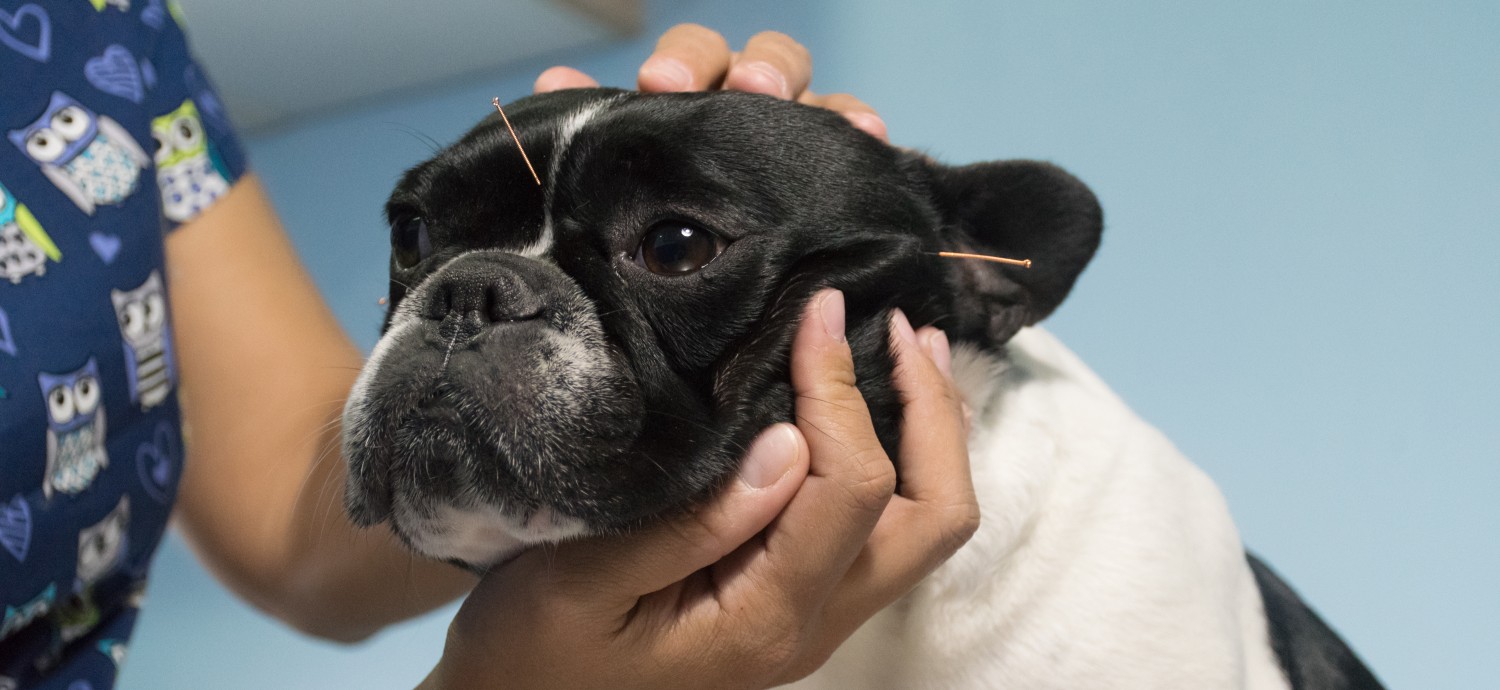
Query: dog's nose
x=482, y=291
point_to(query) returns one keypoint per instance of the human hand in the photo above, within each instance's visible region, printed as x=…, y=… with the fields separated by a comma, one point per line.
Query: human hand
x=690, y=57
x=762, y=584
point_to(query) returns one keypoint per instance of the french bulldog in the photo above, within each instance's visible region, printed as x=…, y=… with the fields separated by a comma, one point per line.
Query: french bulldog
x=583, y=356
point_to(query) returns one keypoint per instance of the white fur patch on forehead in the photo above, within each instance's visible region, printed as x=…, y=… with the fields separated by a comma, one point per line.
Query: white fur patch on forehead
x=566, y=130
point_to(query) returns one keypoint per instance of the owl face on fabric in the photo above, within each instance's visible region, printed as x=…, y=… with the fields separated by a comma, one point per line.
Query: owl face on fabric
x=187, y=171
x=88, y=156
x=142, y=315
x=75, y=429
x=101, y=546
x=24, y=246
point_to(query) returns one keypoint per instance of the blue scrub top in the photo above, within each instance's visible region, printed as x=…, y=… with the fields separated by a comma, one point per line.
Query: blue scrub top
x=112, y=137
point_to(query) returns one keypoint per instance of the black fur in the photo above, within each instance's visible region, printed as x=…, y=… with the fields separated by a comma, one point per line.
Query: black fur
x=1311, y=654
x=682, y=372
x=804, y=201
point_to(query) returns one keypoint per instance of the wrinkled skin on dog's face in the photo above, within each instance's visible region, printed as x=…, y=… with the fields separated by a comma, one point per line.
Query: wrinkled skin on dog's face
x=583, y=357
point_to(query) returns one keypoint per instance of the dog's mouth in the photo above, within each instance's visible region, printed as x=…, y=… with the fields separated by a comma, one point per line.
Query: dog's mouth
x=479, y=535
x=435, y=410
x=524, y=432
x=437, y=499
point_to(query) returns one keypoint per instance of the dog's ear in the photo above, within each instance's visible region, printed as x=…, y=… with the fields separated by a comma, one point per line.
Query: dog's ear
x=1015, y=209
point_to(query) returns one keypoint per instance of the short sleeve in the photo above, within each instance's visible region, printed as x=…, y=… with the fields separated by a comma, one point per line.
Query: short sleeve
x=198, y=156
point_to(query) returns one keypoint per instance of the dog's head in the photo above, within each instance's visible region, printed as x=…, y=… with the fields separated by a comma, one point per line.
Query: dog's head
x=580, y=357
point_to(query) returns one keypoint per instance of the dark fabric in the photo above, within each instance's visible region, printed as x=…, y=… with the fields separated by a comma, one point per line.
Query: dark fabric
x=102, y=108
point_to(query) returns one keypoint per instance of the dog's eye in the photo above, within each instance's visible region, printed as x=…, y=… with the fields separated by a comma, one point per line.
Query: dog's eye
x=673, y=248
x=410, y=242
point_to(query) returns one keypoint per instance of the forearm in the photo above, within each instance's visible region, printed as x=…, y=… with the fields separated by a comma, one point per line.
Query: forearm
x=264, y=372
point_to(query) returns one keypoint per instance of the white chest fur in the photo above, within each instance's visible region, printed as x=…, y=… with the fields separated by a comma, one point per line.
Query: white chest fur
x=1104, y=560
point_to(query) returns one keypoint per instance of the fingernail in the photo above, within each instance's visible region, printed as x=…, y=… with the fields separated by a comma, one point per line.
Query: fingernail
x=903, y=326
x=833, y=314
x=770, y=456
x=544, y=82
x=870, y=123
x=667, y=73
x=942, y=356
x=968, y=418
x=761, y=77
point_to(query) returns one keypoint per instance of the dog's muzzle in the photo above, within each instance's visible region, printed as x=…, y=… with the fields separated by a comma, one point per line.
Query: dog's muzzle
x=492, y=406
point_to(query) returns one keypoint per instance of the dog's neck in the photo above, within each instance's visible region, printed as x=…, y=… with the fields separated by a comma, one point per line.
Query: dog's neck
x=1052, y=450
x=1072, y=488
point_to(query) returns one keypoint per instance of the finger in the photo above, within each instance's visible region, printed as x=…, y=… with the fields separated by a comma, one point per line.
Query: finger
x=908, y=544
x=559, y=78
x=934, y=454
x=772, y=63
x=849, y=482
x=859, y=113
x=651, y=560
x=937, y=511
x=688, y=57
x=831, y=412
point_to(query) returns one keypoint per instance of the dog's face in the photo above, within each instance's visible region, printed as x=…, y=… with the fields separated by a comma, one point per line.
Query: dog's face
x=580, y=357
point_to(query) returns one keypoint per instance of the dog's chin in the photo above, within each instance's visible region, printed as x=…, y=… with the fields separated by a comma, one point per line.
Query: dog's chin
x=478, y=537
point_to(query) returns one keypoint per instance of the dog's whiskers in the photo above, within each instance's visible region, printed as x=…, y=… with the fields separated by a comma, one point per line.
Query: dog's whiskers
x=419, y=135
x=328, y=448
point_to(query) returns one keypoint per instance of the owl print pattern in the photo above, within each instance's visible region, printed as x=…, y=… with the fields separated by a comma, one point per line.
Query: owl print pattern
x=189, y=187
x=19, y=256
x=90, y=457
x=105, y=172
x=89, y=157
x=185, y=169
x=24, y=246
x=142, y=314
x=75, y=429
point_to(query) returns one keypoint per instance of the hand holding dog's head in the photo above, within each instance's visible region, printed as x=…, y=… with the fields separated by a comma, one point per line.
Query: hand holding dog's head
x=580, y=357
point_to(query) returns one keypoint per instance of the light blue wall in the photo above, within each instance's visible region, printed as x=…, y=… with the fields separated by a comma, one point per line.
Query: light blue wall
x=1298, y=281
